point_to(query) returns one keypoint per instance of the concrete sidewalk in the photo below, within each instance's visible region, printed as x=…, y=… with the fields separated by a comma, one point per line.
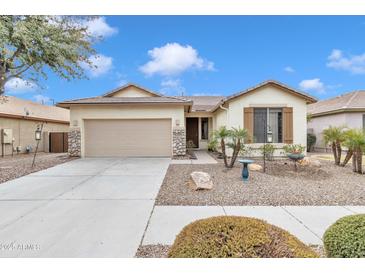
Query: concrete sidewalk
x=308, y=223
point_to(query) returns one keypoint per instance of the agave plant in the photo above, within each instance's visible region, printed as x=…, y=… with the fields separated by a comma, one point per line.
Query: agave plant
x=335, y=136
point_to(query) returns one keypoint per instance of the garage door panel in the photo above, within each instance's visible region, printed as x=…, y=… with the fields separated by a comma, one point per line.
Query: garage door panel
x=135, y=138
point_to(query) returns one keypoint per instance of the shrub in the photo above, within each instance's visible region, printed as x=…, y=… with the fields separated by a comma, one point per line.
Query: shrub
x=311, y=141
x=236, y=237
x=346, y=237
x=212, y=145
x=295, y=149
x=268, y=150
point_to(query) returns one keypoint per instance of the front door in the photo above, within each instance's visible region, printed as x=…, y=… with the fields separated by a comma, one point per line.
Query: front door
x=192, y=132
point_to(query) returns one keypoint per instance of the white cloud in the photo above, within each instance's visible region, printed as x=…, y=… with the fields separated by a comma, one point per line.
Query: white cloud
x=98, y=27
x=101, y=65
x=172, y=87
x=289, y=69
x=312, y=85
x=39, y=98
x=354, y=64
x=174, y=59
x=19, y=86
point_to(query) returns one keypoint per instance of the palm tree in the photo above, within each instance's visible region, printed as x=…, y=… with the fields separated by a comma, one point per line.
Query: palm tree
x=349, y=143
x=334, y=136
x=237, y=136
x=222, y=134
x=355, y=142
x=233, y=138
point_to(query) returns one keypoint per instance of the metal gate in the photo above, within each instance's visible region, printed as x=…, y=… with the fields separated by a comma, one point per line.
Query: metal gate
x=58, y=142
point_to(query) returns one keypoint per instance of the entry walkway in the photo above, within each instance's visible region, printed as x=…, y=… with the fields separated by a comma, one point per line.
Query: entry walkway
x=308, y=223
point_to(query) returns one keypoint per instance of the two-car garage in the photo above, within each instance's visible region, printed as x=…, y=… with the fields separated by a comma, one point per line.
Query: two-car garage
x=127, y=137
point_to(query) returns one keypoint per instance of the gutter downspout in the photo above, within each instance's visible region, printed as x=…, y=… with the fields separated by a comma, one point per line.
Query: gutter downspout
x=226, y=109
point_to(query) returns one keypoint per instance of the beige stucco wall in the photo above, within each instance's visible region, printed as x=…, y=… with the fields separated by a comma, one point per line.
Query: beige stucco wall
x=132, y=91
x=318, y=124
x=24, y=133
x=80, y=113
x=271, y=96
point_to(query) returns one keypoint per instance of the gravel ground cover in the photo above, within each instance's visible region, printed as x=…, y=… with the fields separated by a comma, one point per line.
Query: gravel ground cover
x=20, y=165
x=280, y=185
x=152, y=251
x=160, y=251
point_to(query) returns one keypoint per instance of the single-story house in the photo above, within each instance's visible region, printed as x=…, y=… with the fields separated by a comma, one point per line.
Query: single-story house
x=345, y=110
x=19, y=120
x=134, y=121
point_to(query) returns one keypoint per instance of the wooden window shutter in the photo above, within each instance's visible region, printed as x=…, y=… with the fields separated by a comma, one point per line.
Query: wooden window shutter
x=288, y=125
x=248, y=122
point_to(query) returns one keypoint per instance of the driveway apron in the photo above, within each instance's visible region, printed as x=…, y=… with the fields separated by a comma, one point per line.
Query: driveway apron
x=93, y=207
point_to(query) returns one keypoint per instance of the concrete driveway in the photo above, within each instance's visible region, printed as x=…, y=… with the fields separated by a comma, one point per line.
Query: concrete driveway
x=84, y=208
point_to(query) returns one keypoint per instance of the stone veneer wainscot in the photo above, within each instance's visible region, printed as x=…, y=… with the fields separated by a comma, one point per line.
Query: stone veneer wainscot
x=178, y=141
x=74, y=142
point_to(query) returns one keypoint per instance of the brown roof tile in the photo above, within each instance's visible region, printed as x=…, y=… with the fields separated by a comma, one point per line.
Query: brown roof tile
x=345, y=102
x=203, y=103
x=127, y=100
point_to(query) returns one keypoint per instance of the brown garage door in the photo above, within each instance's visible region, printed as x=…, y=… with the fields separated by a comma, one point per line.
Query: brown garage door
x=135, y=138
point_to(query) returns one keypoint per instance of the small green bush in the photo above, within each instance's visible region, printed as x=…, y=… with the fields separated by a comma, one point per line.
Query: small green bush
x=346, y=238
x=268, y=150
x=311, y=141
x=237, y=237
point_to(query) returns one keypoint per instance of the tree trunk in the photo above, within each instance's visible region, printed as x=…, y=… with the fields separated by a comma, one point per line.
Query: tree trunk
x=235, y=153
x=334, y=151
x=359, y=160
x=348, y=157
x=2, y=84
x=354, y=161
x=339, y=151
x=223, y=147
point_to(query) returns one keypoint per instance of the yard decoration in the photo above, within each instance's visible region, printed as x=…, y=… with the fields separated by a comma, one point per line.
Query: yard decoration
x=245, y=173
x=346, y=238
x=237, y=237
x=335, y=136
x=294, y=153
x=232, y=138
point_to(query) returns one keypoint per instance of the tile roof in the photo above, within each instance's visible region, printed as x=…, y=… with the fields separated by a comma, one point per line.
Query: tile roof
x=13, y=106
x=110, y=93
x=303, y=94
x=127, y=100
x=345, y=102
x=203, y=103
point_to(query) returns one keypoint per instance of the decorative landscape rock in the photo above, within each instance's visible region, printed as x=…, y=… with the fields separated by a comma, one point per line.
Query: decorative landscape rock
x=201, y=180
x=308, y=161
x=254, y=167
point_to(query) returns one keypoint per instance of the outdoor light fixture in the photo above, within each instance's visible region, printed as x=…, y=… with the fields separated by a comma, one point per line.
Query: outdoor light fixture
x=269, y=136
x=38, y=134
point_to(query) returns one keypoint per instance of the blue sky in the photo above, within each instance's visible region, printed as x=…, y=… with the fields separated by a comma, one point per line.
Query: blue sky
x=218, y=55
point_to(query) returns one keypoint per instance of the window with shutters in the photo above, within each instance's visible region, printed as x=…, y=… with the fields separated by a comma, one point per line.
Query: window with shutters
x=268, y=120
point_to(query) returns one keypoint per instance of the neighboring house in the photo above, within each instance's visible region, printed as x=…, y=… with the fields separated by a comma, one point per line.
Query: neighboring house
x=345, y=110
x=22, y=117
x=134, y=121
